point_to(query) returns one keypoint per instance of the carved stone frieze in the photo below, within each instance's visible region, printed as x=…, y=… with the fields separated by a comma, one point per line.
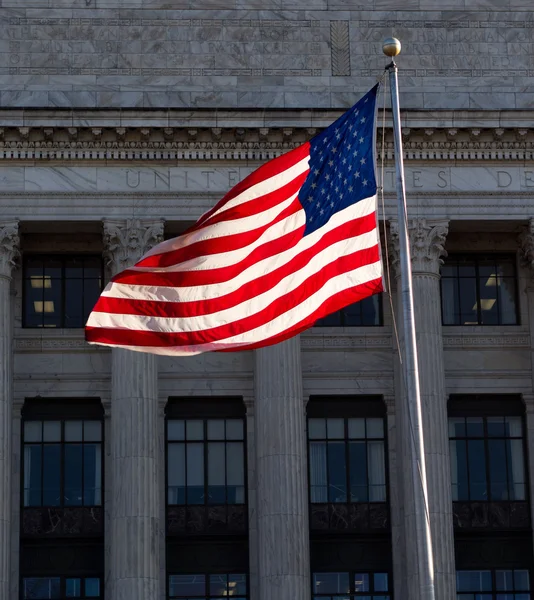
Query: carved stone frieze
x=427, y=245
x=9, y=247
x=127, y=240
x=526, y=244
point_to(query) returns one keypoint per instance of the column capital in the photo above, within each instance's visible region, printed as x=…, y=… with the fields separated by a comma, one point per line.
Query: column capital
x=427, y=244
x=127, y=240
x=9, y=247
x=526, y=244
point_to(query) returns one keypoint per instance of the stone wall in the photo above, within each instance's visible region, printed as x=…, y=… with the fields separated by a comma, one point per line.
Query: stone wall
x=269, y=53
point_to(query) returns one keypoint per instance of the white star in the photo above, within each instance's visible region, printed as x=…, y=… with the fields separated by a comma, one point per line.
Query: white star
x=362, y=120
x=323, y=191
x=357, y=174
x=350, y=127
x=328, y=197
x=331, y=163
x=316, y=171
x=351, y=189
x=310, y=219
x=340, y=174
x=362, y=140
x=364, y=182
x=349, y=167
x=337, y=190
x=321, y=212
x=357, y=112
x=338, y=136
x=334, y=150
x=310, y=198
x=331, y=205
x=355, y=133
x=345, y=182
x=324, y=140
x=327, y=177
x=349, y=146
x=355, y=153
x=313, y=185
x=362, y=161
x=344, y=161
x=318, y=204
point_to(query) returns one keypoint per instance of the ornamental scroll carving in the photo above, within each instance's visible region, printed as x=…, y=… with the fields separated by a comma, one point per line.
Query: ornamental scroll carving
x=526, y=243
x=126, y=241
x=9, y=247
x=427, y=245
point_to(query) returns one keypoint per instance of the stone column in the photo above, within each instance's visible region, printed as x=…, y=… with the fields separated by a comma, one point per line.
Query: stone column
x=135, y=505
x=427, y=241
x=282, y=482
x=9, y=252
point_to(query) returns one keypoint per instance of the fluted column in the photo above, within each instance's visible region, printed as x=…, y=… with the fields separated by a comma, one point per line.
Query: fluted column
x=9, y=252
x=427, y=240
x=282, y=489
x=135, y=506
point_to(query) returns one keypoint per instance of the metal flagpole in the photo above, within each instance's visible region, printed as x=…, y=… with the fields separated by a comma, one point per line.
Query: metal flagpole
x=392, y=48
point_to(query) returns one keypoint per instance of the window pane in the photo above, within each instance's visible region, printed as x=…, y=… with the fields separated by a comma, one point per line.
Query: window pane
x=195, y=473
x=507, y=301
x=361, y=582
x=381, y=582
x=468, y=302
x=176, y=473
x=73, y=475
x=92, y=431
x=73, y=588
x=466, y=267
x=514, y=427
x=32, y=475
x=473, y=581
x=318, y=472
x=33, y=300
x=235, y=472
x=459, y=472
x=33, y=431
x=234, y=429
x=237, y=583
x=450, y=302
x=187, y=585
x=92, y=475
x=516, y=470
x=495, y=426
x=73, y=431
x=73, y=303
x=357, y=429
x=41, y=588
x=522, y=580
x=456, y=427
x=216, y=473
x=74, y=267
x=92, y=587
x=475, y=427
x=488, y=300
x=504, y=581
x=477, y=470
x=52, y=431
x=375, y=428
x=497, y=465
x=377, y=471
x=331, y=583
x=371, y=310
x=176, y=430
x=358, y=472
x=216, y=429
x=335, y=428
x=91, y=292
x=194, y=429
x=337, y=472
x=51, y=474
x=316, y=429
x=51, y=307
x=218, y=585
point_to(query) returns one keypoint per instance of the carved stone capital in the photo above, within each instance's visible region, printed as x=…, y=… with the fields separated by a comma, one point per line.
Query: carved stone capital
x=127, y=240
x=526, y=245
x=9, y=247
x=427, y=245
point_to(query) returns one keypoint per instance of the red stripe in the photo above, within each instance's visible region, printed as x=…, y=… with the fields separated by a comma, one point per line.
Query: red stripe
x=267, y=170
x=255, y=287
x=334, y=303
x=190, y=249
x=281, y=305
x=225, y=244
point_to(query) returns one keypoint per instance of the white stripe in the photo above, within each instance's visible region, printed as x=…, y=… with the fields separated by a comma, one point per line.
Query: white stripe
x=255, y=192
x=232, y=257
x=249, y=307
x=281, y=323
x=196, y=293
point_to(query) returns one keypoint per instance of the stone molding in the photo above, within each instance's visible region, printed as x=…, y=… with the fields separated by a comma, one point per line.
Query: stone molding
x=127, y=240
x=9, y=247
x=240, y=143
x=427, y=245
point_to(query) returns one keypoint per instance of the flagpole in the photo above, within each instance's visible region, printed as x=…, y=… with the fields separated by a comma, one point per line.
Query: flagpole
x=425, y=560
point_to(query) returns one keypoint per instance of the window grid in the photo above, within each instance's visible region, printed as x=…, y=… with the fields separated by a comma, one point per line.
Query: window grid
x=454, y=263
x=347, y=438
x=58, y=588
x=37, y=278
x=365, y=313
x=362, y=585
x=485, y=436
x=210, y=586
x=63, y=444
x=235, y=440
x=495, y=584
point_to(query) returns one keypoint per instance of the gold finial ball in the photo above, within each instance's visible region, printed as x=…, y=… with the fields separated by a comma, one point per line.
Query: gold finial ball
x=391, y=47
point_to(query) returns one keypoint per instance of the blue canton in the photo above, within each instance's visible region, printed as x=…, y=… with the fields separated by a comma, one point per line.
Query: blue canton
x=342, y=169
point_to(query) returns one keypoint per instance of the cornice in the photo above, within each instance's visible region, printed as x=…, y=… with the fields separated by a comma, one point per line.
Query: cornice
x=127, y=143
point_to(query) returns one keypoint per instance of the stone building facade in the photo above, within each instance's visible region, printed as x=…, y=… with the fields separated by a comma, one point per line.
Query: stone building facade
x=283, y=473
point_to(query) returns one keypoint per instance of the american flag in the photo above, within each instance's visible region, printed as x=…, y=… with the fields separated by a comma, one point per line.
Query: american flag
x=293, y=242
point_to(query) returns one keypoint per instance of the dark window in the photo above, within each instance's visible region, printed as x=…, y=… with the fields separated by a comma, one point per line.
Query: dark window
x=62, y=463
x=366, y=313
x=347, y=459
x=205, y=461
x=208, y=587
x=60, y=291
x=487, y=458
x=345, y=586
x=41, y=588
x=479, y=290
x=493, y=584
